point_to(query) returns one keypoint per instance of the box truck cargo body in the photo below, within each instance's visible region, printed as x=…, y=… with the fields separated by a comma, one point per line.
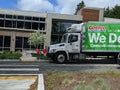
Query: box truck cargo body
x=102, y=37
x=88, y=39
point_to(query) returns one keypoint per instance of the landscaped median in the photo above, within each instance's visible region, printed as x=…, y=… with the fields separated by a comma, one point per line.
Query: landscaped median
x=82, y=81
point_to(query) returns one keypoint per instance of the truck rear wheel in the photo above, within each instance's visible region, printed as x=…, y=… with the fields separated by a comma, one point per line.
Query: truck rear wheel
x=118, y=59
x=60, y=58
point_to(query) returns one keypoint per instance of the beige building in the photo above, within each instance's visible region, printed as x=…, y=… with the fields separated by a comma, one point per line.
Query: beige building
x=15, y=27
x=111, y=20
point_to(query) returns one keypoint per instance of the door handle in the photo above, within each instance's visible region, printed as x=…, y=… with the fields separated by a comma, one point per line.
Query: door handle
x=76, y=45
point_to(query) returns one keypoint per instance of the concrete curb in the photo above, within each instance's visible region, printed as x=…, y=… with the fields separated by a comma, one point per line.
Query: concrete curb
x=3, y=60
x=9, y=60
x=40, y=82
x=18, y=74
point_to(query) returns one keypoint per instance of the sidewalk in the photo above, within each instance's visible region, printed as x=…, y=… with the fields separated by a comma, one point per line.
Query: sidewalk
x=20, y=82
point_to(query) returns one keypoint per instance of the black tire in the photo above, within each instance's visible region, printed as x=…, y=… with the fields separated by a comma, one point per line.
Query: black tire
x=60, y=58
x=118, y=59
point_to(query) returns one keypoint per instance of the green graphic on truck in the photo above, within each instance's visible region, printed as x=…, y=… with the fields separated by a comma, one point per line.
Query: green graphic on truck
x=102, y=36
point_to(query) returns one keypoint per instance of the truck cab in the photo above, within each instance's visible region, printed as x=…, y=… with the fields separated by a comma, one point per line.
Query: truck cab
x=69, y=46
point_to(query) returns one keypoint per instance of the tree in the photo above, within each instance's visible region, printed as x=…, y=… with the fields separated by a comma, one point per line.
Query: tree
x=80, y=6
x=113, y=12
x=107, y=12
x=36, y=39
x=116, y=11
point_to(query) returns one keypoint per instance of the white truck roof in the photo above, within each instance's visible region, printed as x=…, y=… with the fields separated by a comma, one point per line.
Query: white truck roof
x=76, y=27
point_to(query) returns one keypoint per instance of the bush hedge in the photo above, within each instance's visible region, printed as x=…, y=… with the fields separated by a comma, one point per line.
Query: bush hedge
x=10, y=54
x=40, y=56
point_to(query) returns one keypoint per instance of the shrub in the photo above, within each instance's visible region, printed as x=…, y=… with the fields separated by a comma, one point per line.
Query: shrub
x=42, y=57
x=67, y=82
x=99, y=81
x=88, y=87
x=10, y=55
x=2, y=55
x=78, y=87
x=83, y=87
x=104, y=86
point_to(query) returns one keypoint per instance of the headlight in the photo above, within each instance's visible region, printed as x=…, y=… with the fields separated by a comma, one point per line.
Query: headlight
x=52, y=50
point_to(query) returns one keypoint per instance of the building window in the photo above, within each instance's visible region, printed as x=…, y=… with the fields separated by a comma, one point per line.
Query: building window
x=20, y=17
x=21, y=43
x=2, y=16
x=8, y=23
x=14, y=24
x=42, y=26
x=56, y=39
x=18, y=42
x=2, y=23
x=35, y=26
x=41, y=46
x=42, y=19
x=20, y=24
x=9, y=16
x=55, y=27
x=14, y=17
x=1, y=41
x=5, y=42
x=27, y=25
x=59, y=28
x=35, y=18
x=28, y=18
x=26, y=44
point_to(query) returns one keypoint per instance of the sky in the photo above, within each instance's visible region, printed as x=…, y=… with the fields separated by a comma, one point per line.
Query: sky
x=54, y=6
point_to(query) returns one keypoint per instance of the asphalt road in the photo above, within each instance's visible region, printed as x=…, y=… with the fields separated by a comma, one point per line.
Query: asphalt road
x=18, y=67
x=82, y=66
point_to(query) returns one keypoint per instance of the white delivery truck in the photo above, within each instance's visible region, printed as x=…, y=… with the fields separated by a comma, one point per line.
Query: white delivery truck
x=87, y=39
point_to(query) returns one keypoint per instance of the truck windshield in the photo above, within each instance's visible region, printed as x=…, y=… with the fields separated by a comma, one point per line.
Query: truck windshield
x=64, y=38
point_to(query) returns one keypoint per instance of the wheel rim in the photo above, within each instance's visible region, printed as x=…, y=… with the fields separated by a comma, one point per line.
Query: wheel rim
x=61, y=58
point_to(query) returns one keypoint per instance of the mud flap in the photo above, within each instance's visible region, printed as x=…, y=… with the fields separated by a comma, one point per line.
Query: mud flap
x=118, y=59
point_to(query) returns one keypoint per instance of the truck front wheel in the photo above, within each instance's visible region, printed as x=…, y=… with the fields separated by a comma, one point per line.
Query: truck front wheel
x=60, y=57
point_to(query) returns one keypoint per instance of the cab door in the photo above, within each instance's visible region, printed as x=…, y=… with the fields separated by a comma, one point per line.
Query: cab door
x=73, y=45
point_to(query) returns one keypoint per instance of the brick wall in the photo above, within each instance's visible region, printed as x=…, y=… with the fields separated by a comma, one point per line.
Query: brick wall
x=90, y=15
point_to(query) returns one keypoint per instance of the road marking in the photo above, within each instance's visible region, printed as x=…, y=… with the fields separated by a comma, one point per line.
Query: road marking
x=40, y=82
x=17, y=69
x=18, y=65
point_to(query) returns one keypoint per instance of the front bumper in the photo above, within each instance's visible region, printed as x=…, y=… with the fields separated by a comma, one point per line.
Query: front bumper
x=49, y=55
